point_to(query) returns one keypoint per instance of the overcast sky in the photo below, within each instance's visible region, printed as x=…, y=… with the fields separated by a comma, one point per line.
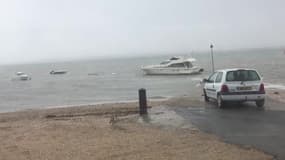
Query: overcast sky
x=36, y=30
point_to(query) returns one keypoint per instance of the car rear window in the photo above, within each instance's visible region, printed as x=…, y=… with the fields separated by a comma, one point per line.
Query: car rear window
x=242, y=75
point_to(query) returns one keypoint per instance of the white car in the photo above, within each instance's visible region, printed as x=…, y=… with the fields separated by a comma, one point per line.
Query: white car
x=238, y=85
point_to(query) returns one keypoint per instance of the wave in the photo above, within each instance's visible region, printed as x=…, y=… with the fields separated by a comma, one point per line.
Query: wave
x=197, y=79
x=274, y=86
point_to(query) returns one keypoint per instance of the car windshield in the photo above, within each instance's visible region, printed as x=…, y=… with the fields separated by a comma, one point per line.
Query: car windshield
x=242, y=75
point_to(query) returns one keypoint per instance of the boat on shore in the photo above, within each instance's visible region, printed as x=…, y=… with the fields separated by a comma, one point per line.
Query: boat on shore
x=174, y=66
x=58, y=72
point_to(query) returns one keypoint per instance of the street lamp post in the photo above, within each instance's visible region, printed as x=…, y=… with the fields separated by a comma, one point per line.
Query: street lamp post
x=212, y=55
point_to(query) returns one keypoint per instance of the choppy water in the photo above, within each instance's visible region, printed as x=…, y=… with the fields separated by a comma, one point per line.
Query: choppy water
x=119, y=79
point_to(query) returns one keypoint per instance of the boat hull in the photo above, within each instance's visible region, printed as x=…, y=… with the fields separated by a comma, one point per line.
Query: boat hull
x=172, y=71
x=58, y=72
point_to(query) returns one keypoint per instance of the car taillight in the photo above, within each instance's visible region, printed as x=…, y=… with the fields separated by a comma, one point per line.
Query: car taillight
x=224, y=88
x=261, y=88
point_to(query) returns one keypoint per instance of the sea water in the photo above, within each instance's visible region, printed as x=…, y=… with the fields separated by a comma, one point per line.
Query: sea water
x=118, y=79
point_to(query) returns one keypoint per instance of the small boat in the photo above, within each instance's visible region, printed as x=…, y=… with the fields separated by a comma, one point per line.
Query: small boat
x=93, y=74
x=19, y=73
x=22, y=76
x=174, y=66
x=57, y=72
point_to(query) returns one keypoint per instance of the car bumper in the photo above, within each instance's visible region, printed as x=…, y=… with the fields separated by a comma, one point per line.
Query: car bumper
x=243, y=97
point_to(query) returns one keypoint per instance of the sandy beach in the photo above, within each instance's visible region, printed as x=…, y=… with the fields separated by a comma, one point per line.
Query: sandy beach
x=109, y=131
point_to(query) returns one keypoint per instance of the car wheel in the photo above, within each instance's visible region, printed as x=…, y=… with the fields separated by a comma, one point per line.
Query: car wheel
x=240, y=103
x=260, y=103
x=206, y=98
x=220, y=102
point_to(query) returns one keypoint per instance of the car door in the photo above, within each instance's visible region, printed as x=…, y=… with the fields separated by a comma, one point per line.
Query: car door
x=209, y=85
x=218, y=83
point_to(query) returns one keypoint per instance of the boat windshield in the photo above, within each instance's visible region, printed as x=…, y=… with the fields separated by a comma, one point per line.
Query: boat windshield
x=177, y=65
x=174, y=58
x=165, y=62
x=188, y=64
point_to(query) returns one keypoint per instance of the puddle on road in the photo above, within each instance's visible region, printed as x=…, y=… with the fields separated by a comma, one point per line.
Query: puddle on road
x=163, y=116
x=200, y=110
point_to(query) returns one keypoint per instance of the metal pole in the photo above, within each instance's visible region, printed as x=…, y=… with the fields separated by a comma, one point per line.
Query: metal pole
x=212, y=54
x=142, y=101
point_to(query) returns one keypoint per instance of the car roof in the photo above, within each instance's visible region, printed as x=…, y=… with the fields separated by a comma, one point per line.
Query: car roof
x=234, y=69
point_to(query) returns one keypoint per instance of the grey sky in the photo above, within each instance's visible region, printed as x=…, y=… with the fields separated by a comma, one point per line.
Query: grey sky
x=32, y=30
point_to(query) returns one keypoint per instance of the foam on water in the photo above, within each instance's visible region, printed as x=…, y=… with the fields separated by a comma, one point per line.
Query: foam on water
x=274, y=86
x=196, y=79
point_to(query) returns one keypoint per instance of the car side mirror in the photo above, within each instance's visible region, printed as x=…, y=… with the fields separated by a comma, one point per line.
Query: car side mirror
x=205, y=80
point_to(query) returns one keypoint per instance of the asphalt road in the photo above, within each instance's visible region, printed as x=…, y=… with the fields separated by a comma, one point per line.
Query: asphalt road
x=243, y=124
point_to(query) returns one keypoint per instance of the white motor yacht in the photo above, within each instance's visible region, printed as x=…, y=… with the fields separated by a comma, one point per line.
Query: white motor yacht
x=174, y=66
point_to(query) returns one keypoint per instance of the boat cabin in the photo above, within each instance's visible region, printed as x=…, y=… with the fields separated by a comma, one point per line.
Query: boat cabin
x=186, y=64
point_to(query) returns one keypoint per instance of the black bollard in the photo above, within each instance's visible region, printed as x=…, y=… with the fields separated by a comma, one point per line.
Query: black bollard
x=142, y=101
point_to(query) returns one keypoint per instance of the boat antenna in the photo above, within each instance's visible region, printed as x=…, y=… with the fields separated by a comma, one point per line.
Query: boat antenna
x=212, y=55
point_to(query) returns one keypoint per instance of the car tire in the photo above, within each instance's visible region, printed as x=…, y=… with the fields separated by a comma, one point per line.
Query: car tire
x=220, y=102
x=260, y=103
x=206, y=98
x=240, y=103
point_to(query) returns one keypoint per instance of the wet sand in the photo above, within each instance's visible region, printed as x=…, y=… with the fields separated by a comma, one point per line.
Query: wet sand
x=109, y=131
x=276, y=94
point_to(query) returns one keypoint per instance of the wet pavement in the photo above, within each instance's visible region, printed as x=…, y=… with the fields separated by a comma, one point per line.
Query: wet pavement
x=165, y=117
x=243, y=124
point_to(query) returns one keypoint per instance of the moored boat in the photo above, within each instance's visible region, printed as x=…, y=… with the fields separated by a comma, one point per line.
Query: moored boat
x=24, y=77
x=21, y=76
x=174, y=66
x=58, y=72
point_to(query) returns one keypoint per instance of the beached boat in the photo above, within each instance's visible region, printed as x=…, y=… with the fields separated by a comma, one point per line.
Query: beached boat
x=58, y=72
x=174, y=66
